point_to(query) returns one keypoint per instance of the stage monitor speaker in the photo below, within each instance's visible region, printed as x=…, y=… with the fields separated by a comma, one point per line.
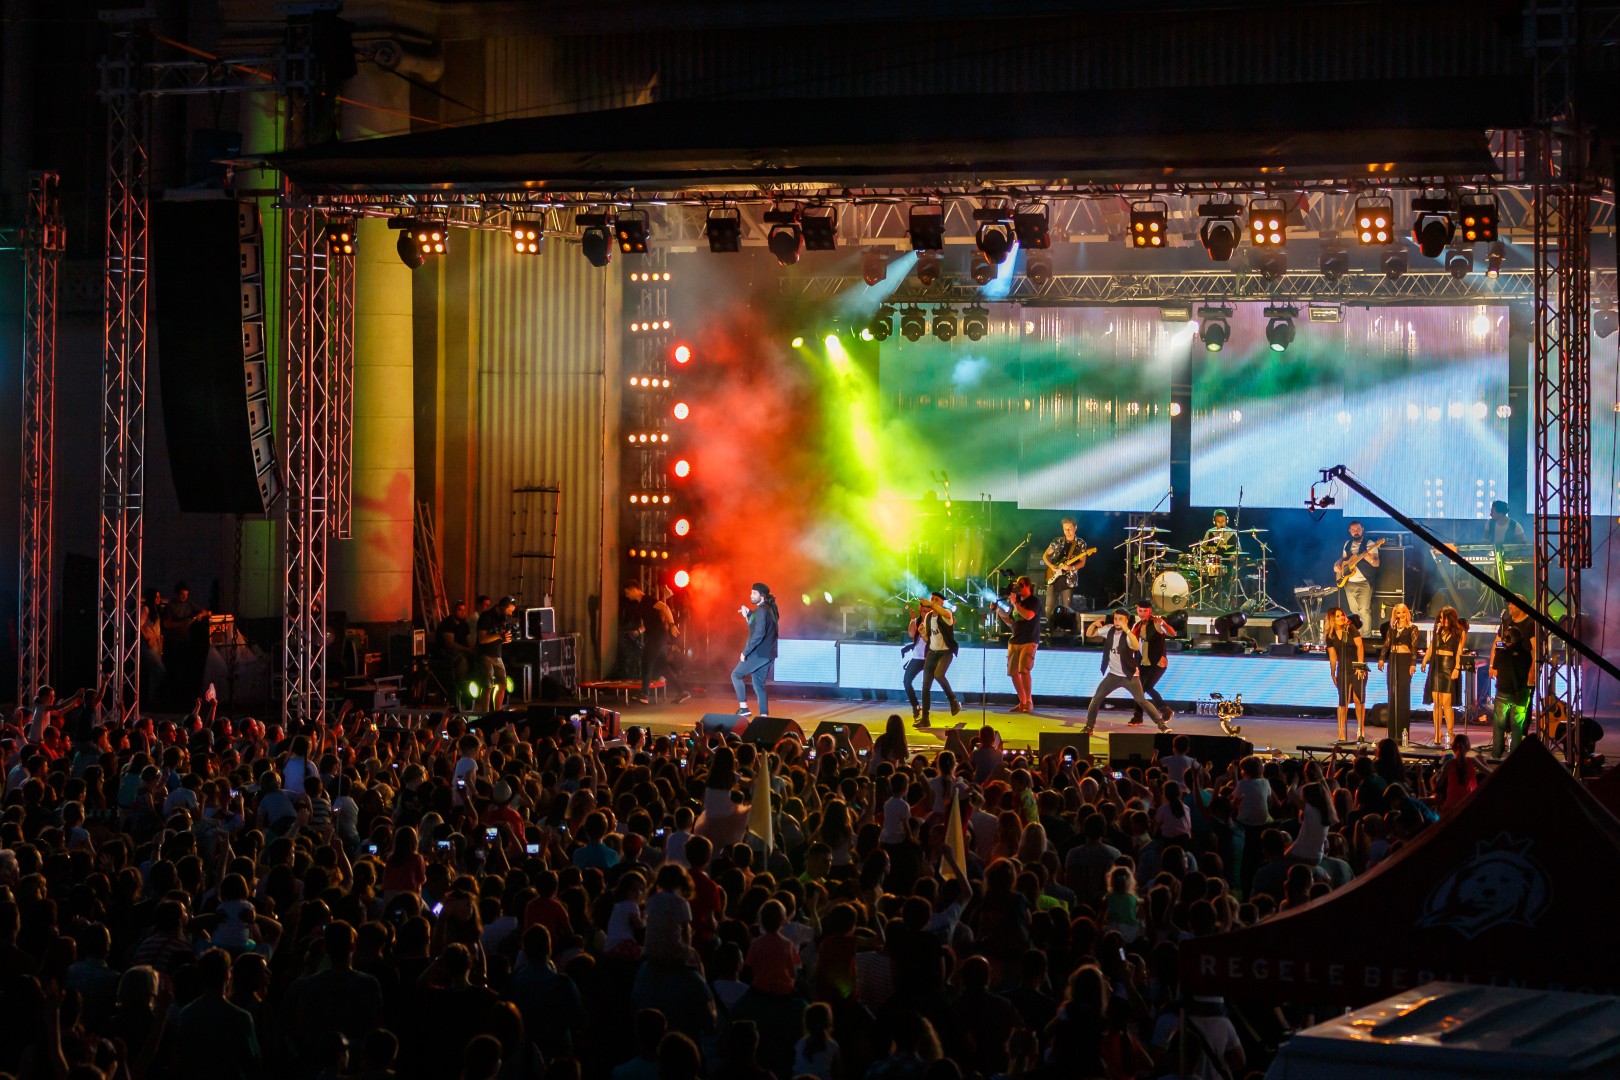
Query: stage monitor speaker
x=721, y=721
x=1131, y=747
x=1139, y=747
x=766, y=731
x=851, y=737
x=1055, y=742
x=208, y=278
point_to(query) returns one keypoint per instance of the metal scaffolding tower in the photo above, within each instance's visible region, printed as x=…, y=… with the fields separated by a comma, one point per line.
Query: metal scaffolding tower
x=341, y=464
x=123, y=386
x=43, y=241
x=1562, y=375
x=306, y=398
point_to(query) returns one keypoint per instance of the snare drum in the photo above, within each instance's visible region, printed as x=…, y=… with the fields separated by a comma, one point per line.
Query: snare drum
x=1211, y=566
x=1172, y=591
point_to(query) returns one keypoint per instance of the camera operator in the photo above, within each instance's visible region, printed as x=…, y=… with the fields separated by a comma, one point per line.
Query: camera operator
x=495, y=628
x=1024, y=617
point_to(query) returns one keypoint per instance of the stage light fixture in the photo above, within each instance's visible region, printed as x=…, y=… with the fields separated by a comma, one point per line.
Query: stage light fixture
x=1335, y=263
x=944, y=324
x=1268, y=223
x=683, y=468
x=1375, y=220
x=1031, y=226
x=682, y=579
x=981, y=269
x=723, y=227
x=786, y=236
x=681, y=527
x=1280, y=328
x=1214, y=327
x=926, y=226
x=994, y=234
x=1228, y=625
x=634, y=230
x=975, y=323
x=1178, y=622
x=928, y=268
x=819, y=225
x=647, y=438
x=528, y=235
x=432, y=237
x=1493, y=260
x=1220, y=231
x=1460, y=262
x=683, y=354
x=1287, y=626
x=681, y=410
x=913, y=323
x=341, y=241
x=409, y=253
x=1394, y=264
x=1432, y=225
x=1038, y=268
x=1604, y=322
x=1478, y=220
x=873, y=266
x=596, y=238
x=1150, y=225
x=1272, y=265
x=882, y=324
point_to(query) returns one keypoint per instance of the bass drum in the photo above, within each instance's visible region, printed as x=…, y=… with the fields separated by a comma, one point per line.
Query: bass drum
x=1172, y=591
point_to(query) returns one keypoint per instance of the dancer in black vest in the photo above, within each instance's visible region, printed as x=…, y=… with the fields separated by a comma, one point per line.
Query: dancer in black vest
x=937, y=625
x=1120, y=662
x=1151, y=631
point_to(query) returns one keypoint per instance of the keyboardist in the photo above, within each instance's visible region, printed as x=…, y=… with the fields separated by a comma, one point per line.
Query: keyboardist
x=1501, y=530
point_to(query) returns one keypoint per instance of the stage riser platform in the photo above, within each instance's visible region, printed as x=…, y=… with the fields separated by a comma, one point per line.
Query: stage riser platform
x=1301, y=682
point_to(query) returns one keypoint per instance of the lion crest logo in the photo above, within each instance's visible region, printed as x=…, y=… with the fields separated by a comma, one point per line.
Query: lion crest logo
x=1499, y=886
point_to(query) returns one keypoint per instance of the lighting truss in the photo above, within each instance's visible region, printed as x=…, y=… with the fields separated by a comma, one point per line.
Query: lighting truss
x=43, y=242
x=123, y=384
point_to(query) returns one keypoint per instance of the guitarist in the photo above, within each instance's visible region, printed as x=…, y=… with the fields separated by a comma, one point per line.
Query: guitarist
x=1064, y=557
x=1358, y=590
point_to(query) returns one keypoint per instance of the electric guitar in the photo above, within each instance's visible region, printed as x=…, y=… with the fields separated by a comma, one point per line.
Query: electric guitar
x=1350, y=563
x=1074, y=562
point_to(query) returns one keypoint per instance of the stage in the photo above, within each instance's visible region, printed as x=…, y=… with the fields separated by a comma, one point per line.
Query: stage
x=1266, y=732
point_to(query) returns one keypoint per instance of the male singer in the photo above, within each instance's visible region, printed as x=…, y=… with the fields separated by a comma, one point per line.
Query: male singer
x=760, y=652
x=1152, y=632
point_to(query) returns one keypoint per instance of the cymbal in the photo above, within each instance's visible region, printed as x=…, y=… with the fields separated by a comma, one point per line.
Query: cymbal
x=1253, y=530
x=1145, y=528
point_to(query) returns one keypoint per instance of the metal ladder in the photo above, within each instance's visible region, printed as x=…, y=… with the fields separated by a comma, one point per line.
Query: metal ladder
x=524, y=506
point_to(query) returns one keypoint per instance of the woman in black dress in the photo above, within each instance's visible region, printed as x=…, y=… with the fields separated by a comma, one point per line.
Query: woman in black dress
x=1397, y=658
x=1444, y=661
x=1347, y=660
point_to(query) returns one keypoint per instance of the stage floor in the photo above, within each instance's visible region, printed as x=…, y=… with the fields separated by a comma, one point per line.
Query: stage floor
x=1270, y=732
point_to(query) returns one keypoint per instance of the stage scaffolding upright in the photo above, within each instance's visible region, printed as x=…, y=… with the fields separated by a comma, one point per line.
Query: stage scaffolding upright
x=123, y=385
x=43, y=241
x=1561, y=347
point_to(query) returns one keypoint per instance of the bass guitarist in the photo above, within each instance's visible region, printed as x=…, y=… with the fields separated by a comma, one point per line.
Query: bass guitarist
x=1064, y=557
x=1358, y=552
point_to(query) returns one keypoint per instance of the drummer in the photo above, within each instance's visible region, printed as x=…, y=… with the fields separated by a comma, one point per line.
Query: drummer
x=1219, y=538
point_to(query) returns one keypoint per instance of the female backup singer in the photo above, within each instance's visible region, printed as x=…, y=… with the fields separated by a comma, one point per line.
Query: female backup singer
x=1399, y=653
x=1347, y=660
x=1444, y=661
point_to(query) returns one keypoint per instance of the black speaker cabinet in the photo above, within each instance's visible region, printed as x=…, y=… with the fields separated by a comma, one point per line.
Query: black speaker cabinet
x=209, y=308
x=766, y=731
x=1055, y=742
x=1139, y=748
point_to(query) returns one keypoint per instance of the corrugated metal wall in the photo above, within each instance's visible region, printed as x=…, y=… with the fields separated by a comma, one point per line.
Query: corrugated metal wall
x=547, y=357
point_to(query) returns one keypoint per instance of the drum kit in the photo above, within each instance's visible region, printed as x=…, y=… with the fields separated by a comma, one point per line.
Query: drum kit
x=1211, y=575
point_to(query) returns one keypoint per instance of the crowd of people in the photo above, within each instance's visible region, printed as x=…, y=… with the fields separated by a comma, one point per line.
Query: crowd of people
x=515, y=896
